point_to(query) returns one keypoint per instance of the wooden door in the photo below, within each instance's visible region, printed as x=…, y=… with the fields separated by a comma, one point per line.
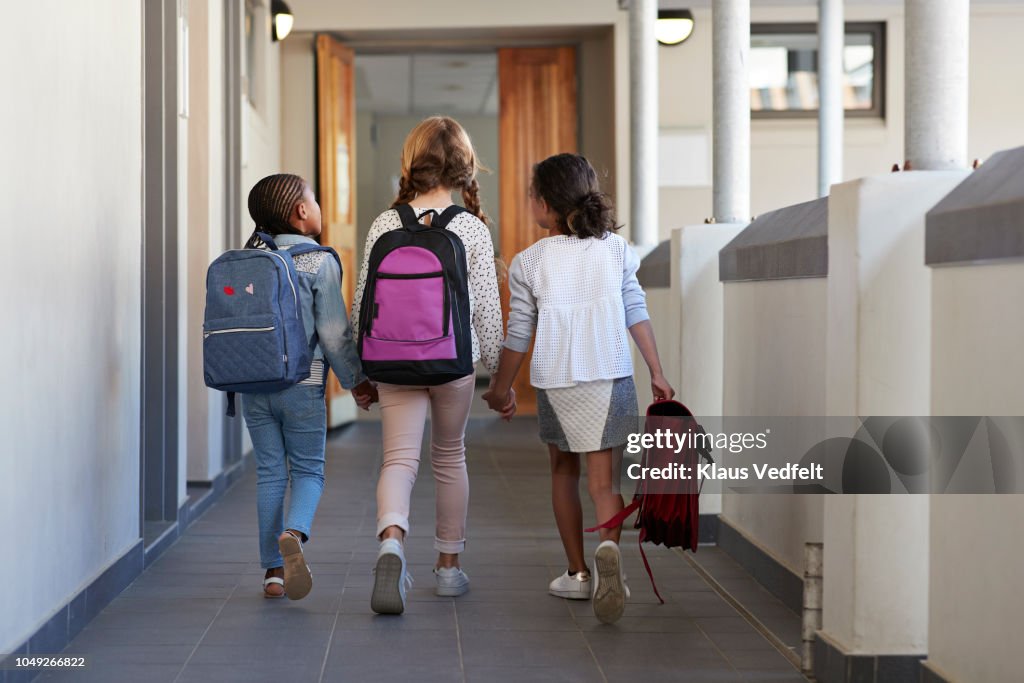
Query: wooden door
x=335, y=83
x=538, y=118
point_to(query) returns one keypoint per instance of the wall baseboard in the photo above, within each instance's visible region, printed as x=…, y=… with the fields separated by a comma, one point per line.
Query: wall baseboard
x=60, y=629
x=776, y=578
x=832, y=665
x=707, y=533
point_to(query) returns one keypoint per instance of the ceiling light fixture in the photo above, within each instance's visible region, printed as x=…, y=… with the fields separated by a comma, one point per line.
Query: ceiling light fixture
x=282, y=19
x=674, y=26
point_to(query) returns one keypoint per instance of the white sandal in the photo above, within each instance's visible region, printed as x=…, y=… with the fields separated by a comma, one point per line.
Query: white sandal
x=270, y=581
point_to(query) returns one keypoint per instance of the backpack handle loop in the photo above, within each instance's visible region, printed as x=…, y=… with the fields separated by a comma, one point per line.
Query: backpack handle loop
x=411, y=222
x=267, y=240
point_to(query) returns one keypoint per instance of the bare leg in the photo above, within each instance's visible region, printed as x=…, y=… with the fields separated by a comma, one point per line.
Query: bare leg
x=607, y=503
x=447, y=560
x=565, y=500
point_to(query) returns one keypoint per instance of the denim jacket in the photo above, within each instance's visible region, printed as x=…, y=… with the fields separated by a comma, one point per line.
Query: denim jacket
x=324, y=310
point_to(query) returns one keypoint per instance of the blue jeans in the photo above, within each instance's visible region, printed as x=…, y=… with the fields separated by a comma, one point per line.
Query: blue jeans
x=289, y=433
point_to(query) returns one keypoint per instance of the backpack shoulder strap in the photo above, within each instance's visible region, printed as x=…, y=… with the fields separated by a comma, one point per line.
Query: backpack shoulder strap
x=267, y=239
x=300, y=249
x=447, y=215
x=407, y=215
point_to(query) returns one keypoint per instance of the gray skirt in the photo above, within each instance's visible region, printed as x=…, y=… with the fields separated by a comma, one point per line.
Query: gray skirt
x=588, y=417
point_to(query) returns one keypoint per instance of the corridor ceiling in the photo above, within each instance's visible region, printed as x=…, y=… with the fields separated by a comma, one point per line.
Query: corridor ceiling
x=425, y=83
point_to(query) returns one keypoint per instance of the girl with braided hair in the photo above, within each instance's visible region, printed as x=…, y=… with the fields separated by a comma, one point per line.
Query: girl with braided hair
x=289, y=427
x=437, y=160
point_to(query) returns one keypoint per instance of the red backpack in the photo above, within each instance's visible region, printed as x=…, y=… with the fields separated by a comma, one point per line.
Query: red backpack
x=667, y=509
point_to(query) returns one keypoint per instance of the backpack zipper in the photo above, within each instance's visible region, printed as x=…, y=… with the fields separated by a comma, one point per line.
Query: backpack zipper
x=239, y=329
x=409, y=276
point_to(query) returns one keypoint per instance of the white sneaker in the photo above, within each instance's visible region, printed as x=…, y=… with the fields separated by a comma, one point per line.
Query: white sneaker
x=451, y=581
x=391, y=580
x=610, y=591
x=571, y=587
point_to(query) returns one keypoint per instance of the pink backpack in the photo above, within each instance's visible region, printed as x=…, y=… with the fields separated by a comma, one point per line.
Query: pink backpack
x=414, y=325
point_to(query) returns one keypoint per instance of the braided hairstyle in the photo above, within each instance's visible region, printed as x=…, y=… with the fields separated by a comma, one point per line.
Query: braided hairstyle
x=271, y=202
x=439, y=153
x=568, y=185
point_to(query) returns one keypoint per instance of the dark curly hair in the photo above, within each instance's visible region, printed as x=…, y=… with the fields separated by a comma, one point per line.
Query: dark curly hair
x=568, y=185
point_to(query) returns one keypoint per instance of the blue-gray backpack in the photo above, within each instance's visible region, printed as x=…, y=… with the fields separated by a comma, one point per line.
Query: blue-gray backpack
x=254, y=340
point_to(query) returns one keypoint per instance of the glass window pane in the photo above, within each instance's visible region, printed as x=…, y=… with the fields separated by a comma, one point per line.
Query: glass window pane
x=784, y=70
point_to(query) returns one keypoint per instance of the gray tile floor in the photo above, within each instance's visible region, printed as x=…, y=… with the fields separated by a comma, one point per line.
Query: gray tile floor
x=197, y=614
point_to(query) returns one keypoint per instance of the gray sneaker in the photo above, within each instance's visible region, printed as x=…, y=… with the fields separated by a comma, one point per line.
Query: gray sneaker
x=391, y=580
x=451, y=581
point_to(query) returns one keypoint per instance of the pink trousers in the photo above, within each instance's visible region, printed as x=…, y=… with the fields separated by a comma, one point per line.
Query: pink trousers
x=403, y=411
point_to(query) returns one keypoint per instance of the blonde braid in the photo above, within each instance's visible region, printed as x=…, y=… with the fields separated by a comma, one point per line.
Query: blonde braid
x=471, y=200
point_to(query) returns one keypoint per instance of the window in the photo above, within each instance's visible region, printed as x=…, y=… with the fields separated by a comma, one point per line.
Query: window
x=784, y=70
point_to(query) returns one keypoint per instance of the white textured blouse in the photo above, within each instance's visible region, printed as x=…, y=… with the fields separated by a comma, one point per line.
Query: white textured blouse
x=580, y=296
x=484, y=300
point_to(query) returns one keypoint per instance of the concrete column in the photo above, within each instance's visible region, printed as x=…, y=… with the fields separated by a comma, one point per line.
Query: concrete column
x=936, y=77
x=643, y=103
x=730, y=29
x=830, y=94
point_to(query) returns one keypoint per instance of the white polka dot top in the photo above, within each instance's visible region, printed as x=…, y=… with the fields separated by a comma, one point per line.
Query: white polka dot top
x=484, y=301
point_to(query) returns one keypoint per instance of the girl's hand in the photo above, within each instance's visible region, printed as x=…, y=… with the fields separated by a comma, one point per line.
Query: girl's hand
x=365, y=394
x=660, y=387
x=510, y=407
x=504, y=403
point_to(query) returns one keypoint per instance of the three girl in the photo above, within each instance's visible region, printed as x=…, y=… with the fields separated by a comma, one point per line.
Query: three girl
x=575, y=290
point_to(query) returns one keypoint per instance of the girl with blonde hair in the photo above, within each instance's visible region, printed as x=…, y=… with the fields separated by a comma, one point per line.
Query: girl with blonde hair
x=437, y=160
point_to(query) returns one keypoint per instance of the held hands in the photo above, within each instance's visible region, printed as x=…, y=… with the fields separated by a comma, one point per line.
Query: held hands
x=660, y=387
x=365, y=394
x=505, y=404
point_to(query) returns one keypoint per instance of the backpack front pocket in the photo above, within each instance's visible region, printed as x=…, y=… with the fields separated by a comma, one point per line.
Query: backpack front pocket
x=409, y=307
x=244, y=350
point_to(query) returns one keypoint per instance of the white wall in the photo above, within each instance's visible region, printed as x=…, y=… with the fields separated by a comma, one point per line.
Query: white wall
x=298, y=105
x=72, y=178
x=879, y=363
x=975, y=600
x=774, y=362
x=261, y=125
